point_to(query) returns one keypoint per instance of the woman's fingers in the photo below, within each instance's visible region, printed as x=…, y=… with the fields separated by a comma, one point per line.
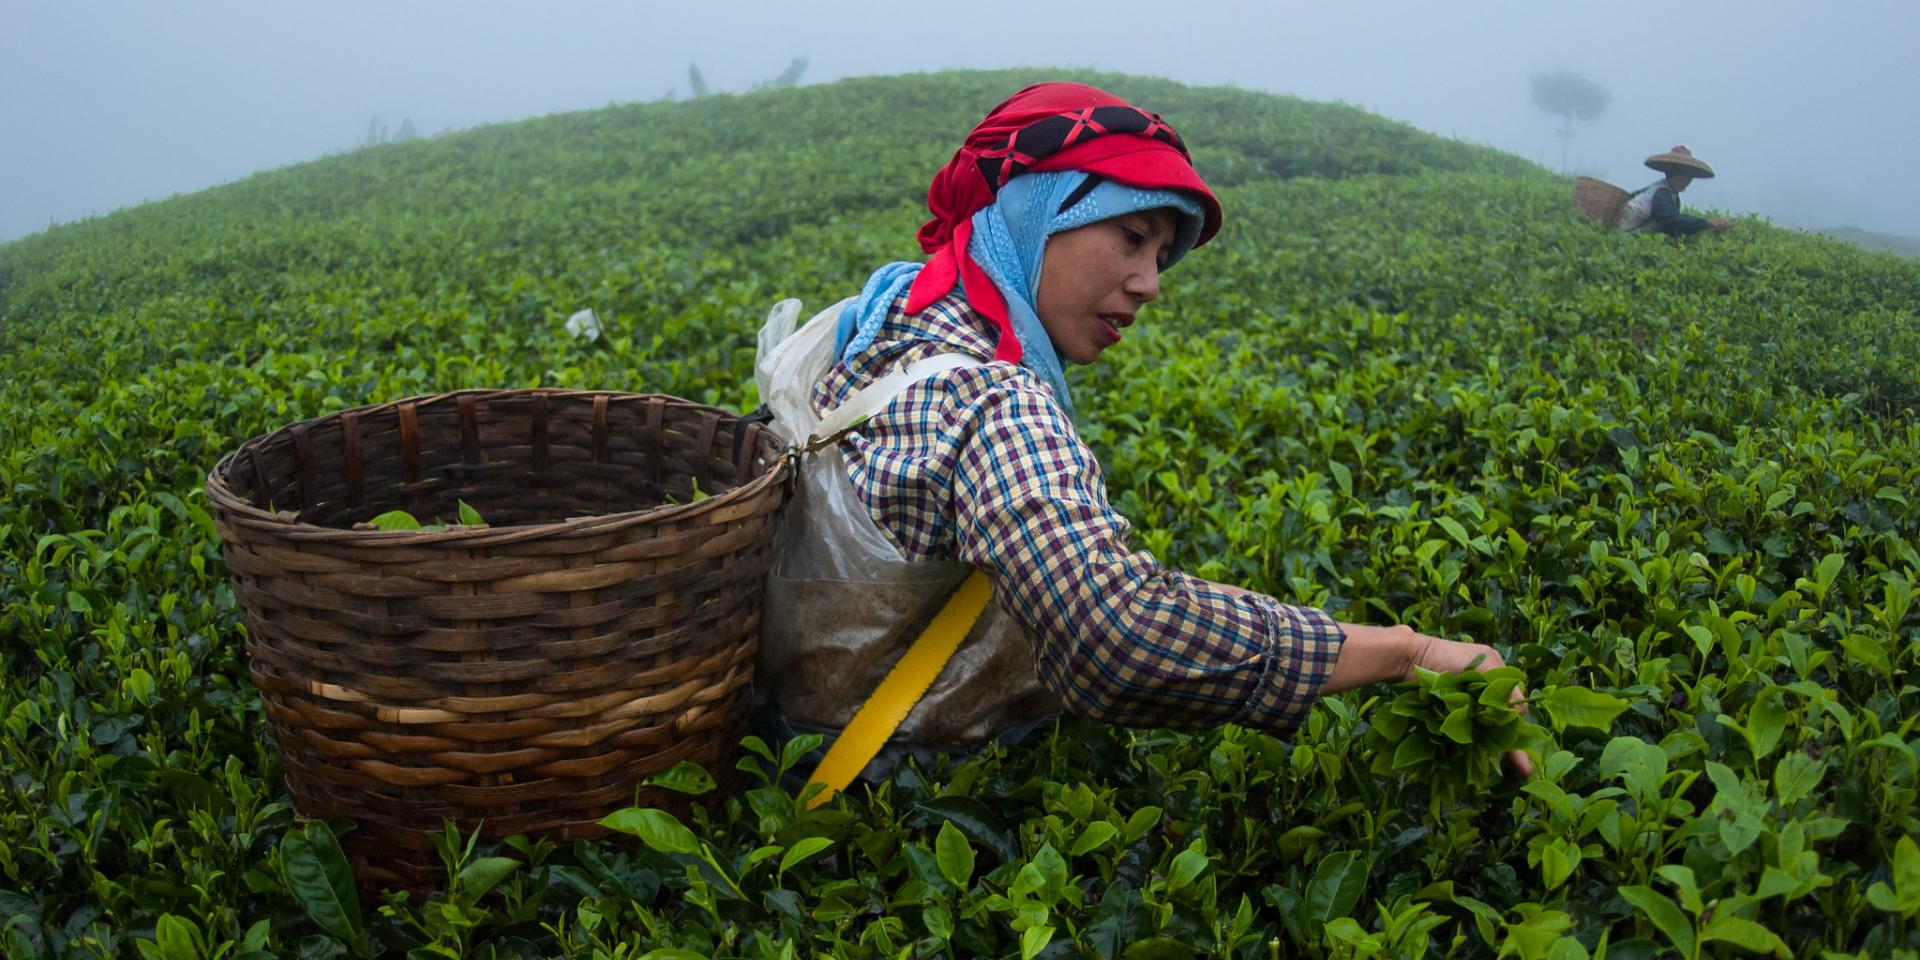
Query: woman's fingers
x=1453, y=656
x=1522, y=764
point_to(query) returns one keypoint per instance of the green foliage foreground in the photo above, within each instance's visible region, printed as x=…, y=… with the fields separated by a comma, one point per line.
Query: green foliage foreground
x=1675, y=482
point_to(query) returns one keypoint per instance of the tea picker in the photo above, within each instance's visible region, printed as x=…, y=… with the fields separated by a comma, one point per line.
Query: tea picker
x=1655, y=207
x=951, y=570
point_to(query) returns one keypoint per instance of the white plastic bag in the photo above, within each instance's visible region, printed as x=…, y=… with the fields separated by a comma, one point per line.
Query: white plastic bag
x=827, y=532
x=774, y=333
x=839, y=589
x=585, y=325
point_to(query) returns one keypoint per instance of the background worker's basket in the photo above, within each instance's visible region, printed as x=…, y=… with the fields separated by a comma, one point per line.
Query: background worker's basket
x=1599, y=199
x=528, y=673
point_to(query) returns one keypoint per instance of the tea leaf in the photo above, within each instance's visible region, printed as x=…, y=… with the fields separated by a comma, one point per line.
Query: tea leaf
x=318, y=874
x=656, y=828
x=1903, y=897
x=1336, y=886
x=1096, y=835
x=1745, y=934
x=803, y=849
x=1796, y=776
x=683, y=777
x=954, y=855
x=1034, y=940
x=977, y=822
x=1642, y=765
x=1187, y=867
x=395, y=520
x=1581, y=707
x=1666, y=917
x=482, y=875
x=1159, y=948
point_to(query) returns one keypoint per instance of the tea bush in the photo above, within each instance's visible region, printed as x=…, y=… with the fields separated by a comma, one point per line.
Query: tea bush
x=1674, y=482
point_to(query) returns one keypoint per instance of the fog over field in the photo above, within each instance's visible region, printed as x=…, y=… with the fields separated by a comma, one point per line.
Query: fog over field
x=1806, y=111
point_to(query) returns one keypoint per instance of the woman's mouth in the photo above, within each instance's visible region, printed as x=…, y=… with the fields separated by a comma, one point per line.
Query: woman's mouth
x=1110, y=324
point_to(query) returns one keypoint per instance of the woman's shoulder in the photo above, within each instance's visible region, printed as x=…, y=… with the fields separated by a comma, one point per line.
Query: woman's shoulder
x=950, y=323
x=986, y=394
x=947, y=326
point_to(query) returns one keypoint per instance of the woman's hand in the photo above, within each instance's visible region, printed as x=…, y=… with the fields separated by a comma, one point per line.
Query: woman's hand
x=1388, y=654
x=1719, y=223
x=1453, y=656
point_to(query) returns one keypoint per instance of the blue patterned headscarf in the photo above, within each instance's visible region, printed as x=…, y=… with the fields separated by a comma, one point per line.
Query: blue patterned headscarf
x=1009, y=242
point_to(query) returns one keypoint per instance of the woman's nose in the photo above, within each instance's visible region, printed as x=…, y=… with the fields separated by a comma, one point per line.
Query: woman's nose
x=1145, y=284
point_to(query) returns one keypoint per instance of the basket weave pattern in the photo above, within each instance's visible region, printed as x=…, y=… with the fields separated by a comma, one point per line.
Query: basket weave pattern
x=1599, y=199
x=528, y=673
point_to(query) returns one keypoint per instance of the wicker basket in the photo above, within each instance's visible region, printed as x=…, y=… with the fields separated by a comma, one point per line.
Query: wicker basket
x=521, y=677
x=1599, y=199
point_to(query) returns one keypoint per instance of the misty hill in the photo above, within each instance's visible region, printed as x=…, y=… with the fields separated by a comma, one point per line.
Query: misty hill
x=1407, y=383
x=1892, y=242
x=684, y=220
x=671, y=214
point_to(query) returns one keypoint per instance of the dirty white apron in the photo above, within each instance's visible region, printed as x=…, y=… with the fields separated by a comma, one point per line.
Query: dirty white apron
x=842, y=603
x=1637, y=214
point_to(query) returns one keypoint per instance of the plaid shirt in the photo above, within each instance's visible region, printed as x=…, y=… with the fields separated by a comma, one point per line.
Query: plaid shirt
x=979, y=464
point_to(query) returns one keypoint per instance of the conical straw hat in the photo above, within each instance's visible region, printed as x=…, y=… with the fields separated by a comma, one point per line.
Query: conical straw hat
x=1680, y=160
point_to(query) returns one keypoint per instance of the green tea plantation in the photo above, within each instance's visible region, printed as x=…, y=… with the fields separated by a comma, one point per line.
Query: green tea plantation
x=1676, y=483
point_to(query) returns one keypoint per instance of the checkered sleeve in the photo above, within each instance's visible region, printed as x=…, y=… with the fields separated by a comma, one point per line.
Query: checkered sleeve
x=1119, y=636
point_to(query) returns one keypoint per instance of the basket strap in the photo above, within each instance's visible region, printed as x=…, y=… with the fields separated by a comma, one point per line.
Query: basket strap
x=872, y=398
x=909, y=679
x=903, y=687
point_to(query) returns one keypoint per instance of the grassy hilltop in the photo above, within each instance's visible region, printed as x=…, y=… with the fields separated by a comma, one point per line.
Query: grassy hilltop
x=1676, y=482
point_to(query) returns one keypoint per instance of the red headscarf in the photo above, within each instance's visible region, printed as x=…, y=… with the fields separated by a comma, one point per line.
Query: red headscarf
x=1048, y=126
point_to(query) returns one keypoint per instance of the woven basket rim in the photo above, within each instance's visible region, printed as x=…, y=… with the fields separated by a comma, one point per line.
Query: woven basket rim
x=221, y=496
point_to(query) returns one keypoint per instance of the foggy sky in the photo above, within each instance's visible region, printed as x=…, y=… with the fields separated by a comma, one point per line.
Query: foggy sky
x=1808, y=114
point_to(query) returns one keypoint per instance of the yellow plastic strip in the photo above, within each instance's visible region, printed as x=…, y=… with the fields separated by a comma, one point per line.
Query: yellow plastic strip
x=903, y=687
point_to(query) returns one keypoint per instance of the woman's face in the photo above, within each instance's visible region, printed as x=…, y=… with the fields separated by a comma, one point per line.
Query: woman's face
x=1094, y=279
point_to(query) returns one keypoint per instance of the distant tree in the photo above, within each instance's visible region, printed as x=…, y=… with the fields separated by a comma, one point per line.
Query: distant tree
x=376, y=132
x=406, y=131
x=696, y=82
x=791, y=75
x=1567, y=95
